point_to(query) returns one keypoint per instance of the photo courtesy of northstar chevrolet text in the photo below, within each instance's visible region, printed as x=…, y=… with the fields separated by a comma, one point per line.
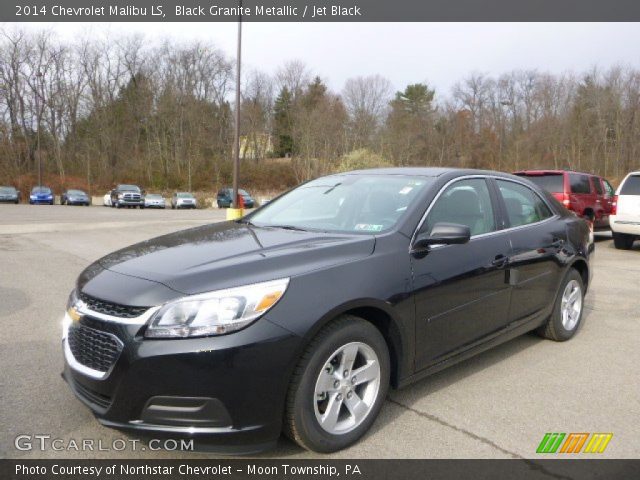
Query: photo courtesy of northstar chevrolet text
x=305, y=239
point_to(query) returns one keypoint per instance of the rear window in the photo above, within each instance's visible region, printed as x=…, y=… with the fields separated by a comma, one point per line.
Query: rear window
x=579, y=183
x=631, y=186
x=551, y=182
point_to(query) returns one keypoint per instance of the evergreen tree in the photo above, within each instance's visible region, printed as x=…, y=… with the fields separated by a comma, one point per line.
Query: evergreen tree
x=282, y=112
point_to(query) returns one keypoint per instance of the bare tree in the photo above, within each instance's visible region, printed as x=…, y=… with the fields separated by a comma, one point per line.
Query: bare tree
x=366, y=100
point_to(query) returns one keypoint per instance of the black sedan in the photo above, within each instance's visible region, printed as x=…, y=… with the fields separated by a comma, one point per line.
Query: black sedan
x=9, y=195
x=302, y=314
x=75, y=197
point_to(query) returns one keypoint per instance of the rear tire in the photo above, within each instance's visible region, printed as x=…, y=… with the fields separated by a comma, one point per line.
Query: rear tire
x=623, y=241
x=338, y=386
x=566, y=316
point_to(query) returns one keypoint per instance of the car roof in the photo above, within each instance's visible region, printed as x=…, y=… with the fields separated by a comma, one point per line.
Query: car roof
x=447, y=172
x=408, y=171
x=554, y=172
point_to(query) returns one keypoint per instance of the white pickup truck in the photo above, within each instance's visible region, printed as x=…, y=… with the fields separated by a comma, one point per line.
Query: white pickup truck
x=625, y=215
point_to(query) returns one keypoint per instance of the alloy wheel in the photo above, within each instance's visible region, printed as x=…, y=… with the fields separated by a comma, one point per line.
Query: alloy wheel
x=346, y=388
x=571, y=305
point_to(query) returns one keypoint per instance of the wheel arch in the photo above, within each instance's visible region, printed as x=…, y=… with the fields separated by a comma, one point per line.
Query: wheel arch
x=581, y=265
x=378, y=314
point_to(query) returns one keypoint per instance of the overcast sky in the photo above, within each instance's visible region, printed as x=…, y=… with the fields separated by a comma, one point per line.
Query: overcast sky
x=438, y=53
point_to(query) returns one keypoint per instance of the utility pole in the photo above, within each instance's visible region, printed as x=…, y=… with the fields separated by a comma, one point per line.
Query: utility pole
x=38, y=113
x=236, y=143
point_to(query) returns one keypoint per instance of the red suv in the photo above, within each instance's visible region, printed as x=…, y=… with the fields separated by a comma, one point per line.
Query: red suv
x=590, y=196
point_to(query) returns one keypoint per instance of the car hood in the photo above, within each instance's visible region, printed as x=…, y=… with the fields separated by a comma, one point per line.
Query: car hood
x=224, y=255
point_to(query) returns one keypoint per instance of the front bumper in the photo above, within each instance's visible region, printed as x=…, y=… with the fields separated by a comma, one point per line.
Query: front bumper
x=230, y=389
x=41, y=201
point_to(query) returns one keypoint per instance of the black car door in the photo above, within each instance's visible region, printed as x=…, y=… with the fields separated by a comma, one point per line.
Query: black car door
x=460, y=291
x=537, y=238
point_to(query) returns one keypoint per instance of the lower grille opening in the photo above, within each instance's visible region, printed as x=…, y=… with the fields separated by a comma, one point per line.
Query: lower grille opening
x=91, y=396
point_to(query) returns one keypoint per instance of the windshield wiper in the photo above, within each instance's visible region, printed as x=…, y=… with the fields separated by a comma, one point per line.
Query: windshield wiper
x=287, y=227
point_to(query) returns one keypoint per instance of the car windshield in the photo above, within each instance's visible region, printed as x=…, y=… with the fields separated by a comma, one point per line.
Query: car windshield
x=243, y=192
x=7, y=190
x=153, y=196
x=41, y=190
x=129, y=188
x=184, y=195
x=76, y=192
x=551, y=182
x=358, y=203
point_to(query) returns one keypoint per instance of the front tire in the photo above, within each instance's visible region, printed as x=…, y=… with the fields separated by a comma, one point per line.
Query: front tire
x=338, y=387
x=623, y=241
x=567, y=310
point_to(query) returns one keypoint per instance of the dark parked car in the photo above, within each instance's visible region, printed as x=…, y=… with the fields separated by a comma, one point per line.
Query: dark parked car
x=225, y=198
x=129, y=196
x=9, y=195
x=590, y=196
x=75, y=197
x=41, y=195
x=304, y=312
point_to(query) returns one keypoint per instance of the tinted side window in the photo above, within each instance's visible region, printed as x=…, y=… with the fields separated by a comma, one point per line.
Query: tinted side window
x=523, y=205
x=465, y=202
x=579, y=183
x=597, y=185
x=631, y=186
x=610, y=190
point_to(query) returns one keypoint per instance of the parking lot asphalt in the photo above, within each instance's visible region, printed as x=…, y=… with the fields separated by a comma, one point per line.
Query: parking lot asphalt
x=496, y=405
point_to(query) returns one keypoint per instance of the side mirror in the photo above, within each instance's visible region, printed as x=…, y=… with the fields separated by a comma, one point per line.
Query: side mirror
x=442, y=234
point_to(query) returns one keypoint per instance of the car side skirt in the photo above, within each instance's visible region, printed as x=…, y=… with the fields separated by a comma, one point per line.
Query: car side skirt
x=511, y=331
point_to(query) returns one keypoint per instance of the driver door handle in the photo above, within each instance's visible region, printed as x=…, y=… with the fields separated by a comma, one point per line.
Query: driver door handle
x=500, y=261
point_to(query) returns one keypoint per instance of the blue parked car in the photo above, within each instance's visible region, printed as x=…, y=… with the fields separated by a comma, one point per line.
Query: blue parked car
x=40, y=195
x=225, y=197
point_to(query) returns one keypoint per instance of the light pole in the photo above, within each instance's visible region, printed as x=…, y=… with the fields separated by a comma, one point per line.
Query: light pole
x=503, y=133
x=38, y=113
x=236, y=140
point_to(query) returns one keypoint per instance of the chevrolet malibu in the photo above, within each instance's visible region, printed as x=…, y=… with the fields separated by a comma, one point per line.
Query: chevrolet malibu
x=300, y=316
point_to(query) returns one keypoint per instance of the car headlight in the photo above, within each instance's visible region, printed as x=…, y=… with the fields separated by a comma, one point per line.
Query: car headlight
x=121, y=195
x=215, y=313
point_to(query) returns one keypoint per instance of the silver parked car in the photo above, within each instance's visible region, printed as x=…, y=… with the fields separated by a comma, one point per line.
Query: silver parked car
x=154, y=200
x=183, y=200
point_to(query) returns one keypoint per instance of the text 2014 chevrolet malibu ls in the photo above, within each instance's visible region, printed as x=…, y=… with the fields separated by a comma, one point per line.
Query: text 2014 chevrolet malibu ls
x=301, y=315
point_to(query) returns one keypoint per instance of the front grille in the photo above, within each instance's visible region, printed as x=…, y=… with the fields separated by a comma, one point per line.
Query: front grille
x=89, y=395
x=92, y=348
x=131, y=196
x=113, y=309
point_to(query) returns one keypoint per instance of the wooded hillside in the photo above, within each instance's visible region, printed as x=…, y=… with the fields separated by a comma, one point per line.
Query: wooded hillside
x=123, y=109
